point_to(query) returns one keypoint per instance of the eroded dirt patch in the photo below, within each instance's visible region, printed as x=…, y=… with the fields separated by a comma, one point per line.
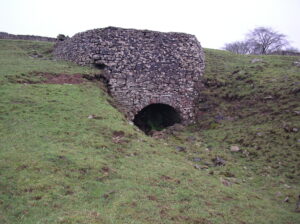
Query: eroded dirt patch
x=47, y=78
x=63, y=79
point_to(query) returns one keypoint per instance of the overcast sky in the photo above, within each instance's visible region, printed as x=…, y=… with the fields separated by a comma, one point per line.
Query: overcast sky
x=214, y=22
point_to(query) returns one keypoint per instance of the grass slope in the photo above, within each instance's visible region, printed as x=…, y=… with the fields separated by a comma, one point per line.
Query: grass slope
x=256, y=106
x=59, y=166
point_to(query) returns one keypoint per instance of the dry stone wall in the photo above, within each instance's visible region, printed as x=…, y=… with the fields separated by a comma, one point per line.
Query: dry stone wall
x=142, y=67
x=4, y=35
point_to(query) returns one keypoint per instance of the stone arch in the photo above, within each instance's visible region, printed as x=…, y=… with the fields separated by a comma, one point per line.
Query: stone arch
x=156, y=116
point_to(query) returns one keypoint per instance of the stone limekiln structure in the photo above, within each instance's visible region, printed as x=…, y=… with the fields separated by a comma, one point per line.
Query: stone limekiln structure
x=142, y=67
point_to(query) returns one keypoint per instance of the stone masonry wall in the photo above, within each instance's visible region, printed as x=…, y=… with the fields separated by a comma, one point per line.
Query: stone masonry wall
x=4, y=35
x=143, y=67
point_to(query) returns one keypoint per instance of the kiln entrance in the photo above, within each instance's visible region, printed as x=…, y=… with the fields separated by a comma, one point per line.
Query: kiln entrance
x=156, y=117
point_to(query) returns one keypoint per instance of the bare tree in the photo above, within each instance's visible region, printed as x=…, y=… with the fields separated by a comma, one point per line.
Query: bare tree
x=288, y=51
x=261, y=40
x=265, y=40
x=238, y=47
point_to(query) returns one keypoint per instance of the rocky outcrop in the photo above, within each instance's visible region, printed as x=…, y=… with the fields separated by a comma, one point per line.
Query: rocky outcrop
x=142, y=67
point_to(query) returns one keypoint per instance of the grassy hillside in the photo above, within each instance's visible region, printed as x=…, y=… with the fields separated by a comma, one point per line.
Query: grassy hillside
x=68, y=156
x=254, y=102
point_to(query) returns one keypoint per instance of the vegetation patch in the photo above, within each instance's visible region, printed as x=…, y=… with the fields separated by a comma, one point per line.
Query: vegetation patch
x=46, y=78
x=253, y=104
x=68, y=156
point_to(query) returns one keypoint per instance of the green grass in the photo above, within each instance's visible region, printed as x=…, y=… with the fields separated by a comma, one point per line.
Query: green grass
x=257, y=105
x=59, y=166
x=16, y=59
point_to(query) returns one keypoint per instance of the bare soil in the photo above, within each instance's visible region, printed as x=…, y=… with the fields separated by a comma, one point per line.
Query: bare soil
x=63, y=79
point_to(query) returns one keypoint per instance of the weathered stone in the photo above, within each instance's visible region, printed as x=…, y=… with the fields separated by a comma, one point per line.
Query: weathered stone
x=143, y=67
x=180, y=149
x=287, y=199
x=199, y=167
x=255, y=60
x=225, y=182
x=197, y=159
x=296, y=63
x=176, y=127
x=259, y=134
x=191, y=138
x=218, y=161
x=234, y=148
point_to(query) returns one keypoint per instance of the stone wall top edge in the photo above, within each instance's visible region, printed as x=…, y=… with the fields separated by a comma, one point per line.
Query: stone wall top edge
x=128, y=30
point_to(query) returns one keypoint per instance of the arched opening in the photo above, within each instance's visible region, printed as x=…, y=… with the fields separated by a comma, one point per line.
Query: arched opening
x=100, y=66
x=156, y=117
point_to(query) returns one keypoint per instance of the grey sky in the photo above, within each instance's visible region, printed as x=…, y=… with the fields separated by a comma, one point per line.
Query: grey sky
x=214, y=22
